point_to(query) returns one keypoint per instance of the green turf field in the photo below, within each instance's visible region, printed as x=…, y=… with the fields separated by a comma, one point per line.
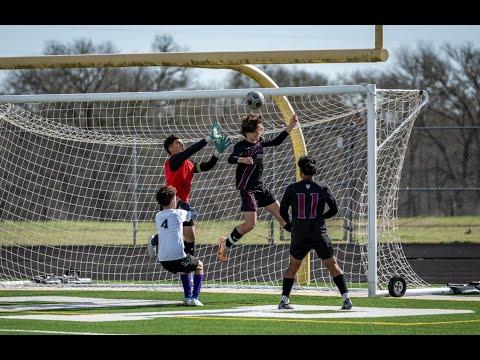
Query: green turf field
x=218, y=324
x=411, y=230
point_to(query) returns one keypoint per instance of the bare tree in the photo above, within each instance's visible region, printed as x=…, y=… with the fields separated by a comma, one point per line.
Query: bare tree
x=161, y=77
x=83, y=80
x=65, y=80
x=448, y=158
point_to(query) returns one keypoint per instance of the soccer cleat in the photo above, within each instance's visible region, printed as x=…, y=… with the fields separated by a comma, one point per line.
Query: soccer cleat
x=151, y=249
x=222, y=249
x=347, y=304
x=284, y=306
x=194, y=302
x=186, y=301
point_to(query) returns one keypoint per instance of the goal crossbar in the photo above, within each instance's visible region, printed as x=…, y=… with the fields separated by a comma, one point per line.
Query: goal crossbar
x=184, y=94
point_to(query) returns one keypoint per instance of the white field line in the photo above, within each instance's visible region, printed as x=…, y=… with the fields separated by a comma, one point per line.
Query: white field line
x=72, y=302
x=263, y=311
x=206, y=289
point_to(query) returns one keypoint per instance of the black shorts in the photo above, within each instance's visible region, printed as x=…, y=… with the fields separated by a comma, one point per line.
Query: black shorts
x=301, y=246
x=185, y=265
x=187, y=207
x=256, y=198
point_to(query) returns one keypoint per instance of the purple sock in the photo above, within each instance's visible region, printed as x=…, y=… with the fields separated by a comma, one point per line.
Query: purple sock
x=197, y=284
x=187, y=286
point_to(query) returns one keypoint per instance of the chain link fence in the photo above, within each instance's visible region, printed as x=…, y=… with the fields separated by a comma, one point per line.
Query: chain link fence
x=441, y=173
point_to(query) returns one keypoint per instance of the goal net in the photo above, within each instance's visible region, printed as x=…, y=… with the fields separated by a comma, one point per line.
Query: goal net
x=79, y=175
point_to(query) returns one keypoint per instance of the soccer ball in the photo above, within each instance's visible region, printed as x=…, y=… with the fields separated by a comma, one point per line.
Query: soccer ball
x=254, y=99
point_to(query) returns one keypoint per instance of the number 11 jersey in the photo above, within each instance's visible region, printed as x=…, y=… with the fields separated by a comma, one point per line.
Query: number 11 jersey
x=307, y=200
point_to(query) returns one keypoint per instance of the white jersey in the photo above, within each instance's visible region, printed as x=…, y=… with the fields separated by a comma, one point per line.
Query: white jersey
x=170, y=233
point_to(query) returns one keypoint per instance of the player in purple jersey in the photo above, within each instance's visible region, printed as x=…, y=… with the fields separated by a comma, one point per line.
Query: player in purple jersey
x=307, y=199
x=248, y=155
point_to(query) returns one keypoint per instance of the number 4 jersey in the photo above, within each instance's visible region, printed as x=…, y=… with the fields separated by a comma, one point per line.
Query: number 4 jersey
x=170, y=233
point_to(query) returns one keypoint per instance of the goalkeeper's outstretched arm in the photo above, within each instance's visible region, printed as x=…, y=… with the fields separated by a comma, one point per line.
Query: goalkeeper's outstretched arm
x=206, y=165
x=177, y=159
x=221, y=145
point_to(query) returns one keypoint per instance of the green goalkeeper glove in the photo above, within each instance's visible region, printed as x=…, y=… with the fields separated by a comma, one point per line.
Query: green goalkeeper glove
x=221, y=145
x=214, y=132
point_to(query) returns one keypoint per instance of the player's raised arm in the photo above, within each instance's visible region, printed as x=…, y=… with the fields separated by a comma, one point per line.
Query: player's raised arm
x=283, y=135
x=292, y=124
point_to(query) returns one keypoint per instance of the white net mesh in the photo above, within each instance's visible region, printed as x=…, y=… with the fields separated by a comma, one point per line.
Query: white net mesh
x=78, y=183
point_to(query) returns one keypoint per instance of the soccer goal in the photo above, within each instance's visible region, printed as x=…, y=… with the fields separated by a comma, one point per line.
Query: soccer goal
x=79, y=174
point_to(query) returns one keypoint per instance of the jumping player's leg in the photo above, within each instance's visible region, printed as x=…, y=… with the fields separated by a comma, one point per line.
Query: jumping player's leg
x=274, y=209
x=249, y=222
x=249, y=209
x=266, y=199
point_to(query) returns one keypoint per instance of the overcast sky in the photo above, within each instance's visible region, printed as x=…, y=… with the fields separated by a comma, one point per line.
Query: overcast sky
x=23, y=40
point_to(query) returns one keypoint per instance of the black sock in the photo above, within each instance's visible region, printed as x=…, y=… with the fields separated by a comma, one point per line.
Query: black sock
x=340, y=282
x=189, y=247
x=234, y=236
x=287, y=286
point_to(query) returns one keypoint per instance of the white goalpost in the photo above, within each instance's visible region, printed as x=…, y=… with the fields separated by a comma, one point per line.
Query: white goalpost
x=79, y=174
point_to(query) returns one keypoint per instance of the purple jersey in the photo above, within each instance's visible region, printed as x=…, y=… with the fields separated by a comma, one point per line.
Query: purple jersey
x=250, y=176
x=307, y=200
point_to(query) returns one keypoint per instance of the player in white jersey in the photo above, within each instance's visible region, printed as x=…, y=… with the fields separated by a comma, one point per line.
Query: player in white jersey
x=171, y=249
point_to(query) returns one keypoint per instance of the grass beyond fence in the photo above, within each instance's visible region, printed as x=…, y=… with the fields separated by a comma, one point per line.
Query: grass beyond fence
x=410, y=230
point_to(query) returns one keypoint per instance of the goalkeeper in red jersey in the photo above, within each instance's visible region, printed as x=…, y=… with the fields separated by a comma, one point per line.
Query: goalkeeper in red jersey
x=179, y=171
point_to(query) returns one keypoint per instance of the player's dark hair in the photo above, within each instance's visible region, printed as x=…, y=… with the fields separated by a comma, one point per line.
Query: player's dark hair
x=307, y=165
x=169, y=141
x=250, y=123
x=165, y=195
